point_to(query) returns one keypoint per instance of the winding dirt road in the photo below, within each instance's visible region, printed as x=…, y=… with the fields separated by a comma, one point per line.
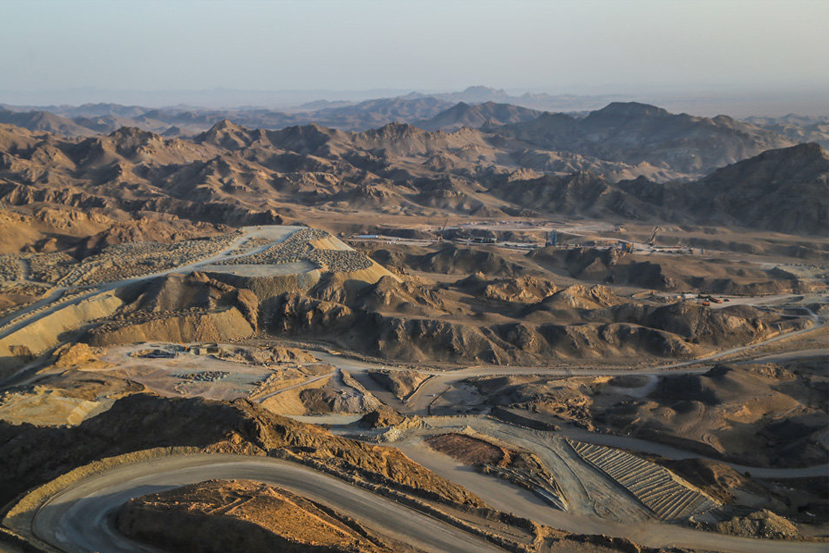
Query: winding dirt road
x=80, y=518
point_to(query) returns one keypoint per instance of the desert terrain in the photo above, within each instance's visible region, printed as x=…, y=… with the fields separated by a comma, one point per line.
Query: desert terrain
x=413, y=325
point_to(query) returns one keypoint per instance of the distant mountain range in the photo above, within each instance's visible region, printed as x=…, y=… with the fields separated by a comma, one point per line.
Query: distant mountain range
x=795, y=127
x=541, y=102
x=627, y=161
x=621, y=140
x=533, y=118
x=477, y=115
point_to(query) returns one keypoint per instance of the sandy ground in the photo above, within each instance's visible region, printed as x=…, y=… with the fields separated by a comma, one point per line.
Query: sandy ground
x=164, y=376
x=50, y=409
x=169, y=376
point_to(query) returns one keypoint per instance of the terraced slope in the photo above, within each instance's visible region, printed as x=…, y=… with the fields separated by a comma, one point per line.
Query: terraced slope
x=668, y=496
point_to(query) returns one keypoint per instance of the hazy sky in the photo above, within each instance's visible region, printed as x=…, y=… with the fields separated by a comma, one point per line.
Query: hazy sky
x=557, y=46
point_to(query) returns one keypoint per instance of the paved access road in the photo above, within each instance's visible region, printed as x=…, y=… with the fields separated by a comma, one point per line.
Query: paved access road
x=79, y=519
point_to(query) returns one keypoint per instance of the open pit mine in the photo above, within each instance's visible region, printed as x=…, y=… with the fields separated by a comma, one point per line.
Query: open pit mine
x=411, y=339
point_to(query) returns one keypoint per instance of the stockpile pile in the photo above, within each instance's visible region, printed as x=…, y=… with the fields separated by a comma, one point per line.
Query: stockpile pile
x=664, y=493
x=293, y=249
x=757, y=524
x=50, y=267
x=10, y=269
x=340, y=261
x=120, y=321
x=298, y=247
x=129, y=260
x=181, y=308
x=204, y=376
x=250, y=245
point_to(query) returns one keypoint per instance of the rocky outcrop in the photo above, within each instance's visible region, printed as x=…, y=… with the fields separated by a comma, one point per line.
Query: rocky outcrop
x=575, y=322
x=681, y=273
x=400, y=382
x=524, y=289
x=452, y=259
x=757, y=524
x=699, y=325
x=73, y=355
x=606, y=265
x=382, y=417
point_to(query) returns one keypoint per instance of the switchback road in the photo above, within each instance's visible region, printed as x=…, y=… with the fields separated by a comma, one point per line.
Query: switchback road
x=79, y=519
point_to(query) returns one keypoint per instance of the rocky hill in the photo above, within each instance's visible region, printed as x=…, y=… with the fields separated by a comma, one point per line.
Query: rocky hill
x=628, y=133
x=636, y=133
x=539, y=101
x=782, y=190
x=91, y=119
x=581, y=193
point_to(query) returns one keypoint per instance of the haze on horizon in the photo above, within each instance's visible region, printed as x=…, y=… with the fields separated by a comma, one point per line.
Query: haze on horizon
x=738, y=57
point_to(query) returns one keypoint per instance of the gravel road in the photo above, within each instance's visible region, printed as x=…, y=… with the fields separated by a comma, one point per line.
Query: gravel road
x=79, y=519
